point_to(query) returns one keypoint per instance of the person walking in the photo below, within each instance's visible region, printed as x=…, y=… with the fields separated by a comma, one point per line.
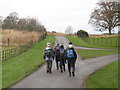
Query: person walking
x=57, y=55
x=62, y=58
x=49, y=57
x=71, y=59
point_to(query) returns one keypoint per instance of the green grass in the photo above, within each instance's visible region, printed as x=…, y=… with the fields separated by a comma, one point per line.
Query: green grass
x=79, y=42
x=16, y=69
x=106, y=77
x=0, y=76
x=108, y=41
x=86, y=54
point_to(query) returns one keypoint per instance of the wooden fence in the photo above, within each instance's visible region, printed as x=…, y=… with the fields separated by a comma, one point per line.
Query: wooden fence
x=108, y=42
x=13, y=52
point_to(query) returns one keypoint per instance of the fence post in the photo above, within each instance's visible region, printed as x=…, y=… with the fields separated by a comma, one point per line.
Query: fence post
x=117, y=42
x=97, y=41
x=111, y=41
x=3, y=55
x=101, y=41
x=106, y=41
x=8, y=42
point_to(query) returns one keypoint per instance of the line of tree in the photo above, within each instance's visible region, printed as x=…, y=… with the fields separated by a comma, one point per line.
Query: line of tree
x=12, y=21
x=106, y=16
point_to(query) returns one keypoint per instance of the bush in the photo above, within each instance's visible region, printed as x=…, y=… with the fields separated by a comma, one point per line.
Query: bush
x=82, y=34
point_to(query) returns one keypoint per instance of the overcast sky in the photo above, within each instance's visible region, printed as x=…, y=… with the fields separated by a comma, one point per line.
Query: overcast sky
x=55, y=15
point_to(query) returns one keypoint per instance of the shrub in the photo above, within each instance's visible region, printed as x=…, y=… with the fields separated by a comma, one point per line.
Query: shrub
x=82, y=34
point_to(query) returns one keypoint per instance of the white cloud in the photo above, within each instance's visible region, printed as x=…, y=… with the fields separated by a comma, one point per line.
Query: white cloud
x=54, y=14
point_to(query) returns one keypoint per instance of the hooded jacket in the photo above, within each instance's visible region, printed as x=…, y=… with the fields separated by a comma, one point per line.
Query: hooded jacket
x=73, y=60
x=48, y=58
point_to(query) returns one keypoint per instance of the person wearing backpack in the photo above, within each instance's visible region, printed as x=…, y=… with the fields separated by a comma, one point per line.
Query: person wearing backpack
x=62, y=58
x=71, y=57
x=57, y=55
x=49, y=57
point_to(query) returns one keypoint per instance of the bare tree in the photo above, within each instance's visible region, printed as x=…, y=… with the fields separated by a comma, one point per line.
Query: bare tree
x=1, y=21
x=10, y=22
x=30, y=24
x=106, y=16
x=69, y=30
x=22, y=24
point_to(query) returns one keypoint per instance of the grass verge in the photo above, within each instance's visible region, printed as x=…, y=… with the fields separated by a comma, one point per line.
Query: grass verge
x=16, y=69
x=86, y=54
x=106, y=77
x=79, y=42
x=0, y=76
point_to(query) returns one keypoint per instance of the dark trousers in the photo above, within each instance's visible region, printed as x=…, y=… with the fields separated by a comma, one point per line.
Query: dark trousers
x=71, y=66
x=62, y=65
x=49, y=65
x=57, y=62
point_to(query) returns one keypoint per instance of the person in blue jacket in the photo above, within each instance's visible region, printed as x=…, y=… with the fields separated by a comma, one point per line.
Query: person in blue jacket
x=71, y=57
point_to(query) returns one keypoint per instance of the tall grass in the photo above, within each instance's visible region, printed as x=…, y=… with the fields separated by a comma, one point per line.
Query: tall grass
x=17, y=37
x=98, y=36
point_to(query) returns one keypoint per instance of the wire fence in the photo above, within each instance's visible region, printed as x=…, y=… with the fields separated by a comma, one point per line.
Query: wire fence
x=103, y=41
x=13, y=52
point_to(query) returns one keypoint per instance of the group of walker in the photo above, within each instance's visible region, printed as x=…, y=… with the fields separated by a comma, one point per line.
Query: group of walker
x=62, y=56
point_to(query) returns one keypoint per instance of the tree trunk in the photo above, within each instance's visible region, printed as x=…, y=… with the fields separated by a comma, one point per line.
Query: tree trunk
x=110, y=31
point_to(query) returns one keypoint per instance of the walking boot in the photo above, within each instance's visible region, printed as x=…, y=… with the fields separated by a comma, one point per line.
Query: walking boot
x=70, y=74
x=61, y=71
x=64, y=70
x=57, y=68
x=73, y=74
x=47, y=71
x=50, y=71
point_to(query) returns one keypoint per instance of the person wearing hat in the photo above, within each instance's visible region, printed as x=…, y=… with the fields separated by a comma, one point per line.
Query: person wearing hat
x=49, y=57
x=57, y=55
x=71, y=57
x=62, y=58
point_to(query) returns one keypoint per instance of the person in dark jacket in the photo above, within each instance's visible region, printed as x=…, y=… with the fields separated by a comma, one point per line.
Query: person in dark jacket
x=62, y=58
x=57, y=55
x=49, y=57
x=71, y=59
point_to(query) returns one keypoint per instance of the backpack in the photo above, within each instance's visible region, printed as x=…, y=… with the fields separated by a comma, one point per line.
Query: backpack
x=62, y=52
x=48, y=53
x=57, y=50
x=70, y=53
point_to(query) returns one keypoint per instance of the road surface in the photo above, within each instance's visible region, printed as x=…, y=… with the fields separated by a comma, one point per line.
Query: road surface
x=40, y=79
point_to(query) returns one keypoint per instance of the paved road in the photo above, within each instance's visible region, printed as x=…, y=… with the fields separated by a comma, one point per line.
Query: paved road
x=76, y=47
x=40, y=79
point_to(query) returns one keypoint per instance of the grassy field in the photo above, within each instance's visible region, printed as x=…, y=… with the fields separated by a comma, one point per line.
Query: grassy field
x=16, y=69
x=106, y=77
x=79, y=42
x=19, y=37
x=105, y=41
x=86, y=54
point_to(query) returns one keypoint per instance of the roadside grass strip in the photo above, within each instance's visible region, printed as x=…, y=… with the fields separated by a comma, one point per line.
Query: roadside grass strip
x=79, y=42
x=0, y=76
x=86, y=54
x=107, y=77
x=21, y=66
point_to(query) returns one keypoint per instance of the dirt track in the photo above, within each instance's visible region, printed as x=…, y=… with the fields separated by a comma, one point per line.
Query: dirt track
x=40, y=79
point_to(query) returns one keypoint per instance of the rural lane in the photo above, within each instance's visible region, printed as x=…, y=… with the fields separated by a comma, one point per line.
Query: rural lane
x=40, y=79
